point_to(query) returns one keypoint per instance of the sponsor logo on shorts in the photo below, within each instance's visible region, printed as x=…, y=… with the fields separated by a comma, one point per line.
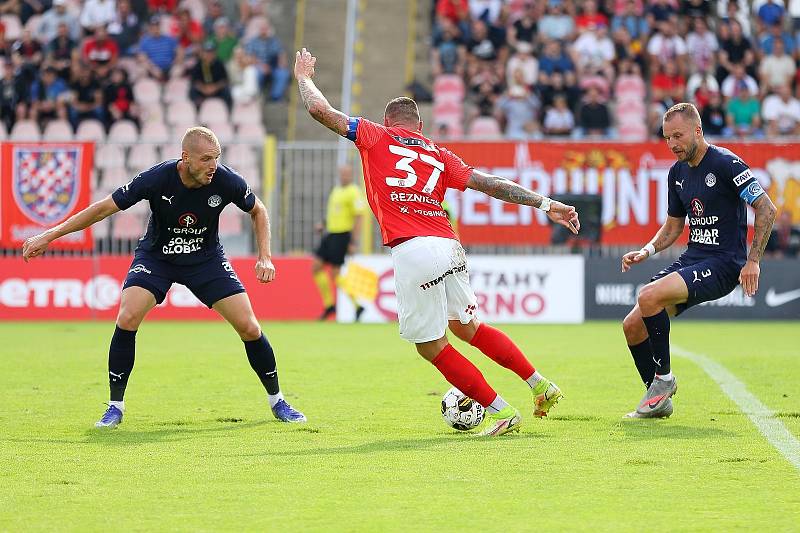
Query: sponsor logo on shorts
x=214, y=201
x=427, y=285
x=743, y=177
x=138, y=268
x=711, y=179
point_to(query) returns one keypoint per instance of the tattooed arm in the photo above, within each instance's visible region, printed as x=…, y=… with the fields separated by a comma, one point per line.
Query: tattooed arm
x=765, y=216
x=667, y=234
x=313, y=99
x=513, y=193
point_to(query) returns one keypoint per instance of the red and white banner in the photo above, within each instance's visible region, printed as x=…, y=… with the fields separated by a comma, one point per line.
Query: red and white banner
x=631, y=179
x=508, y=289
x=42, y=185
x=83, y=288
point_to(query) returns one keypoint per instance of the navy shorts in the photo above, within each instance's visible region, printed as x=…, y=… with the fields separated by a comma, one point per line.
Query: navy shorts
x=333, y=248
x=210, y=281
x=707, y=278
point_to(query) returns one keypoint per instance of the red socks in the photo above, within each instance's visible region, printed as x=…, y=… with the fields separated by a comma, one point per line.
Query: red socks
x=502, y=350
x=461, y=373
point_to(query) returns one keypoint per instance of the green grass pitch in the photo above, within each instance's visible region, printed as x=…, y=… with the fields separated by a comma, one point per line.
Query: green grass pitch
x=199, y=451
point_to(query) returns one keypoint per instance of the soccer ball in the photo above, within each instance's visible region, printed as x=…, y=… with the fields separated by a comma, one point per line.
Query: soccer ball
x=460, y=411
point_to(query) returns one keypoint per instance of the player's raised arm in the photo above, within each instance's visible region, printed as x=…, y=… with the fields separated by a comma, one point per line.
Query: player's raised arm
x=36, y=245
x=314, y=101
x=265, y=270
x=666, y=235
x=762, y=226
x=514, y=193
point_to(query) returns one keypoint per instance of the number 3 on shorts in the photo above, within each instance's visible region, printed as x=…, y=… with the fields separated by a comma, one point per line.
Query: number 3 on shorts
x=411, y=177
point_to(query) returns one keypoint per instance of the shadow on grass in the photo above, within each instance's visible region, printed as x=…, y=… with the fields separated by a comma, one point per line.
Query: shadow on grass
x=470, y=440
x=663, y=429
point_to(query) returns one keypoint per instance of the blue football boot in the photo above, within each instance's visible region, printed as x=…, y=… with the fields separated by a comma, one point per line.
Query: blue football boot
x=286, y=413
x=111, y=418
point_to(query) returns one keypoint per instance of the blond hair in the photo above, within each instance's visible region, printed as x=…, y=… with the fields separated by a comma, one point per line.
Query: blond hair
x=194, y=133
x=685, y=109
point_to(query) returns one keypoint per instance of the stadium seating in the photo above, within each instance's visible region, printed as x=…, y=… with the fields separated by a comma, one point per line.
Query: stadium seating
x=123, y=131
x=147, y=91
x=486, y=128
x=142, y=156
x=13, y=27
x=213, y=111
x=25, y=130
x=91, y=130
x=181, y=112
x=58, y=130
x=155, y=132
x=109, y=156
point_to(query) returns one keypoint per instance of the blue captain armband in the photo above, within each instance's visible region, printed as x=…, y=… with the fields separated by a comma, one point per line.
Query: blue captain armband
x=751, y=193
x=352, y=126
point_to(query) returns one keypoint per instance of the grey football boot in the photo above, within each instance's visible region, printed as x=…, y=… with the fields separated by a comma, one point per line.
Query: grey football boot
x=664, y=412
x=657, y=396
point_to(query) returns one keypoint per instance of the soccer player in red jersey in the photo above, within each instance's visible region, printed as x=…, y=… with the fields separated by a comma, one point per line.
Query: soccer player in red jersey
x=405, y=176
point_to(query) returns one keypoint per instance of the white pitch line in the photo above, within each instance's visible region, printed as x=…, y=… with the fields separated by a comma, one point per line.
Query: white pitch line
x=762, y=416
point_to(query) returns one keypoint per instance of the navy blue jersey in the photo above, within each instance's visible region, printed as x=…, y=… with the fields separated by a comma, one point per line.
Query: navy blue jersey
x=713, y=195
x=184, y=223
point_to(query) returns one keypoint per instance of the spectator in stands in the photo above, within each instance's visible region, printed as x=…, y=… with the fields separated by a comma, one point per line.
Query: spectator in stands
x=456, y=11
x=668, y=86
x=271, y=58
x=518, y=109
x=158, y=52
x=701, y=83
x=448, y=55
x=209, y=78
x=735, y=12
x=5, y=46
x=487, y=91
x=660, y=12
x=23, y=9
x=743, y=113
x=774, y=34
x=58, y=14
x=781, y=112
x=188, y=31
x=100, y=53
x=702, y=45
x=48, y=97
x=590, y=18
x=737, y=81
x=560, y=83
x=162, y=6
x=667, y=45
x=695, y=9
x=97, y=13
x=557, y=23
x=593, y=52
x=87, y=102
x=554, y=59
x=224, y=39
x=777, y=68
x=631, y=20
x=27, y=54
x=525, y=28
x=558, y=120
x=713, y=117
x=486, y=10
x=784, y=241
x=480, y=47
x=594, y=120
x=126, y=28
x=12, y=104
x=522, y=68
x=214, y=12
x=243, y=75
x=770, y=13
x=627, y=48
x=118, y=99
x=62, y=52
x=735, y=49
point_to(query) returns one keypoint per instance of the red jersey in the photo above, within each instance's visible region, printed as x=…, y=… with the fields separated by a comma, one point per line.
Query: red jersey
x=405, y=176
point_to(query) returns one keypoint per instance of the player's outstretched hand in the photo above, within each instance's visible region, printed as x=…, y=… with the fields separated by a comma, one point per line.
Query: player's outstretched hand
x=631, y=258
x=304, y=64
x=265, y=270
x=748, y=277
x=34, y=246
x=565, y=215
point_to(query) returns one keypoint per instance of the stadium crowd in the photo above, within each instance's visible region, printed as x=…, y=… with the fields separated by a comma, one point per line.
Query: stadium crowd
x=527, y=69
x=104, y=61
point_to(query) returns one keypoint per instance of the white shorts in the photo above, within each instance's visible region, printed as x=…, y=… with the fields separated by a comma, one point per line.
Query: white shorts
x=432, y=285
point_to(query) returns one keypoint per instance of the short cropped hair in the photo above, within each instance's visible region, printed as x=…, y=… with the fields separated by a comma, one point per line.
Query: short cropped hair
x=402, y=109
x=194, y=133
x=685, y=109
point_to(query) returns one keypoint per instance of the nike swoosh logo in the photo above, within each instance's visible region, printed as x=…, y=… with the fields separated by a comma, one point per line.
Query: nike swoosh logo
x=775, y=299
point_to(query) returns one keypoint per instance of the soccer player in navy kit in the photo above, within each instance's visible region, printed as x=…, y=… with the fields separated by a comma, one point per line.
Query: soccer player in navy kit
x=710, y=185
x=181, y=245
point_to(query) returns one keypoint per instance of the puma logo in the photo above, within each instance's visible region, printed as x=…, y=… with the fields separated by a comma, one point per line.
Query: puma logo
x=168, y=199
x=115, y=376
x=679, y=184
x=657, y=362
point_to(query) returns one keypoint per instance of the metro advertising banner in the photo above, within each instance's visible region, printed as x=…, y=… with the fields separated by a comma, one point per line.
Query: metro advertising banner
x=612, y=294
x=508, y=289
x=83, y=288
x=631, y=179
x=42, y=185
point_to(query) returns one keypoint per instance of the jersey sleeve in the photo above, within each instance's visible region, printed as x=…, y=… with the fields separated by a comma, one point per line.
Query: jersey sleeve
x=139, y=188
x=456, y=172
x=241, y=194
x=364, y=133
x=744, y=181
x=675, y=207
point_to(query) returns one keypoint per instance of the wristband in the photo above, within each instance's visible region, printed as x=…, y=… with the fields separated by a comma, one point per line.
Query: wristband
x=546, y=202
x=651, y=250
